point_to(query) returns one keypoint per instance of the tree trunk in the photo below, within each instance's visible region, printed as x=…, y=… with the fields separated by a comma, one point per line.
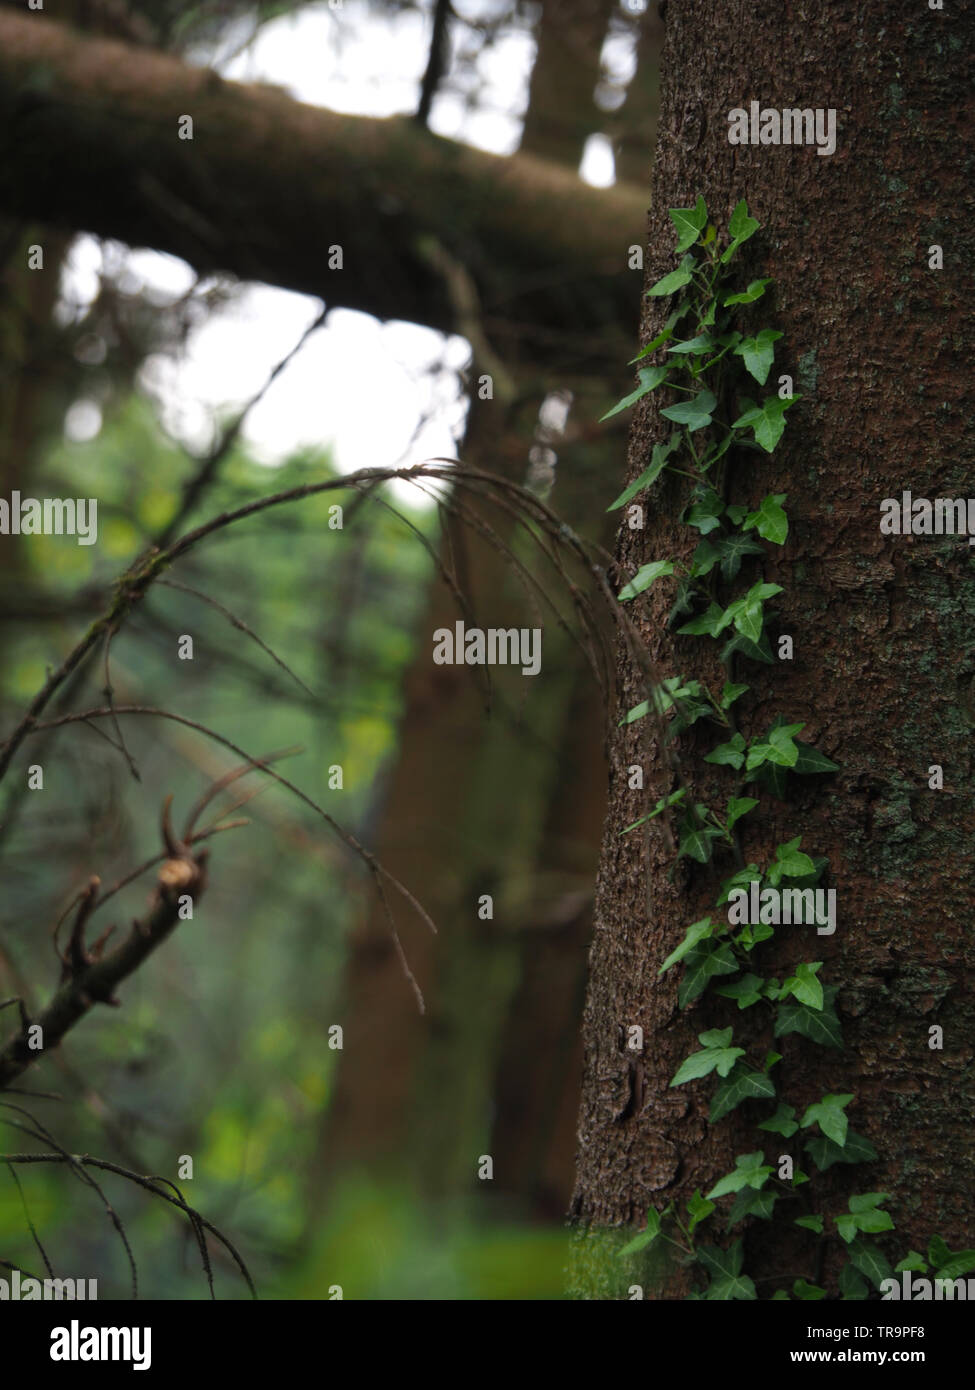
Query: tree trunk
x=561, y=112
x=510, y=804
x=884, y=657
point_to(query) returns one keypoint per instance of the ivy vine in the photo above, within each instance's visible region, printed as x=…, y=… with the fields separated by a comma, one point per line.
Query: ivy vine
x=714, y=367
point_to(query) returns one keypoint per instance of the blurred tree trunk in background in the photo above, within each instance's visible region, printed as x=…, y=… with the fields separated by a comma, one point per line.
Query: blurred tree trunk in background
x=34, y=386
x=882, y=626
x=510, y=805
x=638, y=115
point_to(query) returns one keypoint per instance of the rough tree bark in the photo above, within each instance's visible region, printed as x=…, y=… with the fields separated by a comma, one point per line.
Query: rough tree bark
x=884, y=657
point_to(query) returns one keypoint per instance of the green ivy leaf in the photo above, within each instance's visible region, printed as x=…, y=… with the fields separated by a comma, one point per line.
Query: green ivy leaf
x=950, y=1265
x=793, y=862
x=730, y=694
x=698, y=1209
x=829, y=1114
x=747, y=613
x=753, y=935
x=741, y=878
x=871, y=1261
x=704, y=559
x=689, y=712
x=733, y=549
x=782, y=1122
x=755, y=651
x=873, y=1222
x=811, y=760
x=867, y=1201
x=697, y=931
x=718, y=451
x=695, y=414
x=661, y=338
x=804, y=985
x=938, y=1252
x=960, y=1264
x=701, y=344
x=705, y=511
x=819, y=1026
x=767, y=421
x=779, y=747
x=824, y=1153
x=808, y=1292
x=637, y=712
x=703, y=962
x=770, y=520
x=716, y=1055
x=755, y=291
x=912, y=1261
x=658, y=462
x=650, y=378
x=740, y=1287
x=690, y=223
x=740, y=228
x=645, y=576
x=707, y=624
x=744, y=1083
x=645, y=1237
x=745, y=990
x=847, y=1226
x=730, y=754
x=739, y=806
x=749, y=620
x=811, y=1223
x=750, y=1203
x=852, y=1284
x=696, y=841
x=662, y=805
x=758, y=353
x=670, y=284
x=864, y=1215
x=674, y=689
x=722, y=1264
x=750, y=1171
x=771, y=776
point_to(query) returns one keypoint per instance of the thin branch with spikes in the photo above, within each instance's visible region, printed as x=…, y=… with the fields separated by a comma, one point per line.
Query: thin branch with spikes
x=109, y=692
x=370, y=860
x=149, y=1183
x=132, y=587
x=241, y=626
x=41, y=1133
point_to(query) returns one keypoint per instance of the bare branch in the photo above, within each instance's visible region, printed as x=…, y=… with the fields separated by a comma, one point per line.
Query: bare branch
x=91, y=977
x=241, y=626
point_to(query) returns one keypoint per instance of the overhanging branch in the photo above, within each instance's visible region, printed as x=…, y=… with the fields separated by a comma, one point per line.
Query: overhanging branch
x=89, y=140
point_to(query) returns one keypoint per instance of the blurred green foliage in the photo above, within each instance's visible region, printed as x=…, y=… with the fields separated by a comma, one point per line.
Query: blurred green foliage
x=220, y=1050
